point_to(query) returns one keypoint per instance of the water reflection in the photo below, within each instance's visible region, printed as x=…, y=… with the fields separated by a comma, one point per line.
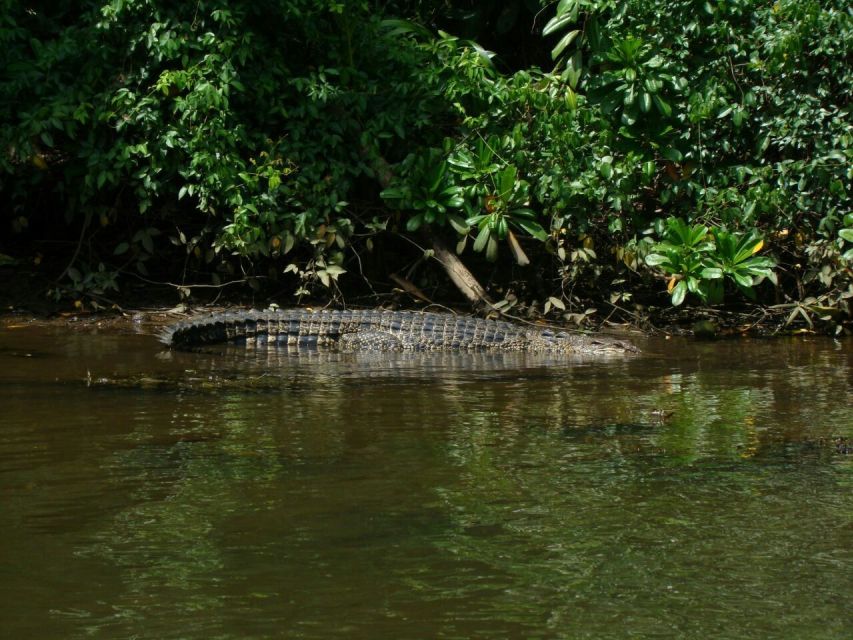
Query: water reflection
x=692, y=492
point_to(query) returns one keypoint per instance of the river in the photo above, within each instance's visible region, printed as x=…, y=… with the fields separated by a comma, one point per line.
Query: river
x=696, y=491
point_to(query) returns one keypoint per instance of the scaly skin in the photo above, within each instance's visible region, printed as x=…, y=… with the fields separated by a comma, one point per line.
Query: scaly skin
x=383, y=331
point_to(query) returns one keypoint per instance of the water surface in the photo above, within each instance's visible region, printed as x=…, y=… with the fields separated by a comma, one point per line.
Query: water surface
x=694, y=492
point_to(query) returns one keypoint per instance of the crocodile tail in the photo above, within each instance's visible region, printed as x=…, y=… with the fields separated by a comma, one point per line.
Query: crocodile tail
x=199, y=331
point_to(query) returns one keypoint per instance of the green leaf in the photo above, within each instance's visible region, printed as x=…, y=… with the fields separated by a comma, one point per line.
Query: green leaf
x=532, y=228
x=671, y=154
x=524, y=212
x=121, y=248
x=656, y=259
x=455, y=202
x=457, y=222
x=335, y=270
x=711, y=273
x=760, y=262
x=393, y=193
x=662, y=105
x=482, y=239
x=492, y=249
x=652, y=85
x=566, y=13
x=679, y=293
x=506, y=182
x=693, y=285
x=556, y=23
x=759, y=272
x=741, y=279
x=564, y=42
x=846, y=234
x=414, y=223
x=397, y=27
x=437, y=176
x=502, y=228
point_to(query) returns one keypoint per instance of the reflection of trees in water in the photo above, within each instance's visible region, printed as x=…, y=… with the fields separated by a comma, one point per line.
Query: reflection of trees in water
x=582, y=516
x=531, y=481
x=189, y=477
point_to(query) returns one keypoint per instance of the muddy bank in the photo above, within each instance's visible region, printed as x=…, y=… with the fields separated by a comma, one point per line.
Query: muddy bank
x=25, y=297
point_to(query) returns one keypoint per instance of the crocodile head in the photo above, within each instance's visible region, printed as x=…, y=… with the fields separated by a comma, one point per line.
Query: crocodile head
x=580, y=343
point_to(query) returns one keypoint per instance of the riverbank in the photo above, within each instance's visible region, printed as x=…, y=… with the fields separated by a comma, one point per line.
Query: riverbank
x=26, y=293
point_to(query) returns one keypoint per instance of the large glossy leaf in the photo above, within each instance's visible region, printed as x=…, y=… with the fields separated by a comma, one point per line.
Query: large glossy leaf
x=566, y=14
x=662, y=105
x=455, y=202
x=741, y=279
x=760, y=263
x=414, y=223
x=492, y=249
x=712, y=273
x=672, y=154
x=458, y=223
x=524, y=212
x=436, y=176
x=405, y=27
x=533, y=228
x=656, y=259
x=393, y=193
x=557, y=23
x=506, y=182
x=747, y=246
x=564, y=42
x=502, y=227
x=481, y=239
x=679, y=292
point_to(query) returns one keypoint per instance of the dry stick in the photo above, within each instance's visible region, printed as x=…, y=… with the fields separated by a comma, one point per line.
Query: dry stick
x=86, y=222
x=361, y=270
x=637, y=317
x=459, y=273
x=409, y=287
x=195, y=286
x=453, y=266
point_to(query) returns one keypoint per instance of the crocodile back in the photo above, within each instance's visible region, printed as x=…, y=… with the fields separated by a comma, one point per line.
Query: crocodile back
x=411, y=330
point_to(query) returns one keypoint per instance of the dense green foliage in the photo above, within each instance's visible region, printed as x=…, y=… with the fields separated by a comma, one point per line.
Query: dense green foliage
x=286, y=136
x=737, y=111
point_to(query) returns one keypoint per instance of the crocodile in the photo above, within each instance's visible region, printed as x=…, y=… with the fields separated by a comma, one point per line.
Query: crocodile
x=371, y=330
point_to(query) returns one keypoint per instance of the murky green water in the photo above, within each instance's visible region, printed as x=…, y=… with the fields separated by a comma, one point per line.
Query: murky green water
x=230, y=495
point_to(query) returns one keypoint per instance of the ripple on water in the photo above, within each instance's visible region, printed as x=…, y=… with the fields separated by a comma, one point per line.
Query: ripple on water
x=689, y=493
